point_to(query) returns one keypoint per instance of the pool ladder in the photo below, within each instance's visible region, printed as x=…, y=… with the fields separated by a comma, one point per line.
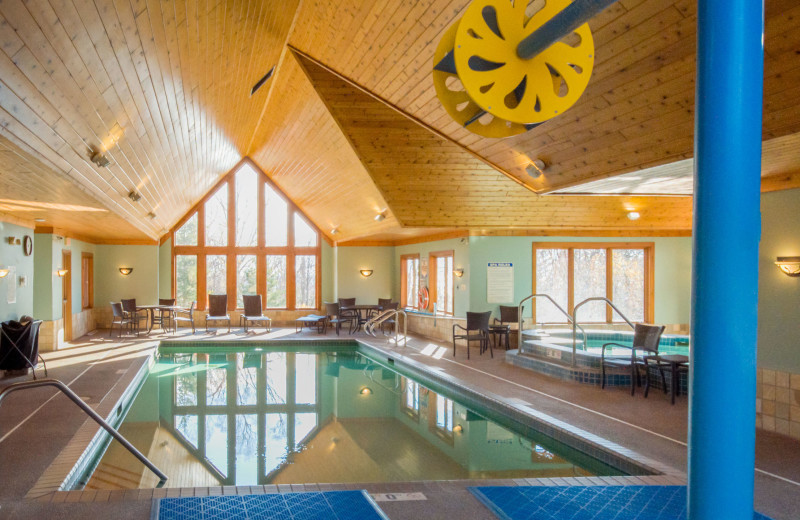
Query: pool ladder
x=91, y=413
x=385, y=315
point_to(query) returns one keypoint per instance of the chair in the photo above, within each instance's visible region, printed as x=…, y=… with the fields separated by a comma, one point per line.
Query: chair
x=509, y=315
x=218, y=309
x=119, y=316
x=645, y=340
x=253, y=311
x=163, y=316
x=336, y=317
x=477, y=329
x=352, y=314
x=134, y=314
x=19, y=346
x=185, y=315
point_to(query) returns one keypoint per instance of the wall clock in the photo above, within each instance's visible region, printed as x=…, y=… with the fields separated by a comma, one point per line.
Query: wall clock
x=27, y=245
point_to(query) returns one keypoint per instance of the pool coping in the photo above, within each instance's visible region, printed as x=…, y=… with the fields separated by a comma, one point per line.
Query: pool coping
x=50, y=485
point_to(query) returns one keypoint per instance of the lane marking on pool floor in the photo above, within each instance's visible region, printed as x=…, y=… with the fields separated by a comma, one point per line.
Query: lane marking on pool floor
x=601, y=414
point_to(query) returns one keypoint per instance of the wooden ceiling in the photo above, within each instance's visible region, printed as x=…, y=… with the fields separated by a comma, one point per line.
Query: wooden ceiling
x=163, y=88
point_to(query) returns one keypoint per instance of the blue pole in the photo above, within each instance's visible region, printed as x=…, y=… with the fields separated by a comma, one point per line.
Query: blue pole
x=730, y=61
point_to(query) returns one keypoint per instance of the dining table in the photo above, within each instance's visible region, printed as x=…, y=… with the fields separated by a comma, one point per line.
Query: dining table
x=363, y=311
x=151, y=313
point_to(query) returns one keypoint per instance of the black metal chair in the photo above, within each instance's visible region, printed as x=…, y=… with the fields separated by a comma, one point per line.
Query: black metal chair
x=218, y=309
x=253, y=312
x=335, y=317
x=645, y=340
x=184, y=315
x=477, y=329
x=118, y=316
x=509, y=315
x=19, y=346
x=135, y=315
x=162, y=317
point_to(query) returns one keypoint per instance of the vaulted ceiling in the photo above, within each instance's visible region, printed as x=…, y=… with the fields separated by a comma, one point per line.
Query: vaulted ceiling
x=349, y=123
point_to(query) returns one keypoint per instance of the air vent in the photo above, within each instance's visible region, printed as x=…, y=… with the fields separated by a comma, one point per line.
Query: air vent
x=261, y=82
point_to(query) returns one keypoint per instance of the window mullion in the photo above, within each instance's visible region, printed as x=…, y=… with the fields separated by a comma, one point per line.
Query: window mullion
x=609, y=284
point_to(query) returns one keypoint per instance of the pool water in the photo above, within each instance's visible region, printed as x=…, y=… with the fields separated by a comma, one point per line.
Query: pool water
x=264, y=416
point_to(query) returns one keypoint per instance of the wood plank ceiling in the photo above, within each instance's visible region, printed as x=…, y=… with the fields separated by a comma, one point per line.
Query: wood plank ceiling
x=163, y=88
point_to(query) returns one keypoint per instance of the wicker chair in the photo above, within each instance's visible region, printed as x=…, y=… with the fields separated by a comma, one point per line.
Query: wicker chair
x=162, y=317
x=135, y=315
x=509, y=315
x=253, y=312
x=477, y=329
x=336, y=318
x=218, y=309
x=645, y=340
x=119, y=317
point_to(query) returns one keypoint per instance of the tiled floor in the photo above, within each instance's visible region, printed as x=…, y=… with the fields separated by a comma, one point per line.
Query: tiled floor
x=36, y=428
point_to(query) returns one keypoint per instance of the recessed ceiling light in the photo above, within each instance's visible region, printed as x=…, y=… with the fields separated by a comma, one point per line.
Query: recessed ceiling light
x=633, y=215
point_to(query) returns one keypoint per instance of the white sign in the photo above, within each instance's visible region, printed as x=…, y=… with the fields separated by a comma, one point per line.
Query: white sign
x=500, y=282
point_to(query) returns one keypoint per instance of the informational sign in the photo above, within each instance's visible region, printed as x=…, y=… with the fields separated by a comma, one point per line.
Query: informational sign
x=12, y=285
x=500, y=282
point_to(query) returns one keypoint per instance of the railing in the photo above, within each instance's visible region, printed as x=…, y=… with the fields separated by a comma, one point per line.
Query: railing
x=570, y=319
x=385, y=315
x=91, y=413
x=575, y=321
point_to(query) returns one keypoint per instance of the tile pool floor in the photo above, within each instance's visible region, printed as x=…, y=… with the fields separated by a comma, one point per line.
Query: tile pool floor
x=37, y=429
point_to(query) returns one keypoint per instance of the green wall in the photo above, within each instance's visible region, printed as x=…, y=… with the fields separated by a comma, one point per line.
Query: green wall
x=12, y=256
x=328, y=270
x=46, y=284
x=778, y=294
x=350, y=283
x=142, y=283
x=165, y=269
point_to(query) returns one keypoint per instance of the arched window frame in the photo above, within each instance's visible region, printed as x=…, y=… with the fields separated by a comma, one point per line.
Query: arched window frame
x=231, y=250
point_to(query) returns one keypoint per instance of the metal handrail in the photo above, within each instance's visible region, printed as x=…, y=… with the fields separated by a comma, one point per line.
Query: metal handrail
x=593, y=299
x=385, y=315
x=91, y=413
x=570, y=319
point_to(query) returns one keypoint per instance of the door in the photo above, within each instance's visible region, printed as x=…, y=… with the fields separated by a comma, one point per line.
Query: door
x=66, y=292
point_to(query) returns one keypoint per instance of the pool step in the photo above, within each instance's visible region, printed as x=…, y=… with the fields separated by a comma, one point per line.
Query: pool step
x=109, y=476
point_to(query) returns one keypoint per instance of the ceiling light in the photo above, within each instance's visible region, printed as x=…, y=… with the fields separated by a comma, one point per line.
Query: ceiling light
x=334, y=230
x=536, y=168
x=134, y=196
x=151, y=215
x=100, y=159
x=380, y=216
x=40, y=220
x=789, y=265
x=633, y=215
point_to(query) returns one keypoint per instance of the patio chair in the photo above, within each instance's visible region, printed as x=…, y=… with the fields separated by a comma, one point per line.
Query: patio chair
x=183, y=315
x=336, y=318
x=120, y=317
x=253, y=312
x=509, y=315
x=218, y=309
x=645, y=340
x=477, y=329
x=162, y=317
x=19, y=346
x=132, y=313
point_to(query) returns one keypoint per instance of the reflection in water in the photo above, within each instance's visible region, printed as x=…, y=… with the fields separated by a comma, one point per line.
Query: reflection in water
x=295, y=417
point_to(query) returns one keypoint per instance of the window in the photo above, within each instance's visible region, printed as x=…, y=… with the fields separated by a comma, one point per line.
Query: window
x=245, y=237
x=409, y=281
x=440, y=416
x=441, y=275
x=87, y=280
x=573, y=272
x=409, y=402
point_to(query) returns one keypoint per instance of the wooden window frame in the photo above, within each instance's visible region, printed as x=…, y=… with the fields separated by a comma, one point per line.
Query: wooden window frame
x=231, y=251
x=649, y=273
x=433, y=280
x=404, y=280
x=87, y=281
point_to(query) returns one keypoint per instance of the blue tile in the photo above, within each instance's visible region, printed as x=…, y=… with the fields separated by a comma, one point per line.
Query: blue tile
x=587, y=503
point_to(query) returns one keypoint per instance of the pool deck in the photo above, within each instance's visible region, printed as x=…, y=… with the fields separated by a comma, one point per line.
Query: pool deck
x=42, y=433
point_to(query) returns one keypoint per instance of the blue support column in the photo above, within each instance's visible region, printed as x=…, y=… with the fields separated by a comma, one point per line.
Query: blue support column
x=730, y=58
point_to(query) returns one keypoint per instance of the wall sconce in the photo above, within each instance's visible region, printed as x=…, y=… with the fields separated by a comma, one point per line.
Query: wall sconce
x=458, y=272
x=4, y=273
x=458, y=428
x=365, y=391
x=789, y=265
x=125, y=271
x=62, y=272
x=366, y=273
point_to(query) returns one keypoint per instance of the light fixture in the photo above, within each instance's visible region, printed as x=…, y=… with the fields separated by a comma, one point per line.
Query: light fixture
x=458, y=272
x=125, y=271
x=790, y=265
x=40, y=220
x=633, y=215
x=365, y=391
x=4, y=272
x=334, y=230
x=536, y=168
x=100, y=160
x=134, y=196
x=458, y=428
x=380, y=216
x=366, y=273
x=151, y=215
x=62, y=272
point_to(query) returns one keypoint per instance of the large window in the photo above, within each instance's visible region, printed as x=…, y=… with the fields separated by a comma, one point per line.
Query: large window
x=245, y=237
x=441, y=276
x=409, y=281
x=573, y=272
